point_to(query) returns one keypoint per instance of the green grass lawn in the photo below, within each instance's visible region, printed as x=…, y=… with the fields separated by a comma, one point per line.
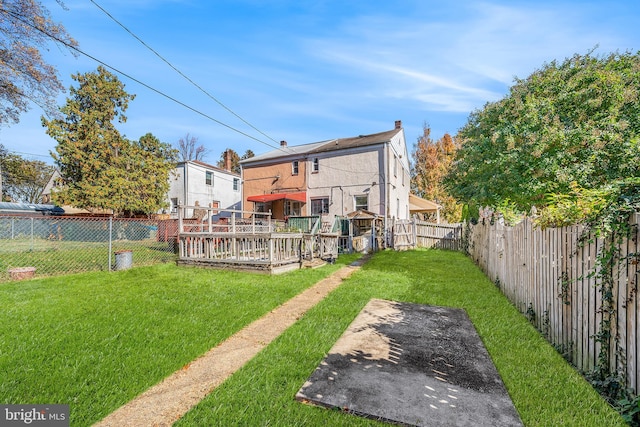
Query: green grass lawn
x=52, y=258
x=96, y=340
x=545, y=389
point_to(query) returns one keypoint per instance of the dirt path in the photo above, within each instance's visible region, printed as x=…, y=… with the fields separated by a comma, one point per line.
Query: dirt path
x=167, y=401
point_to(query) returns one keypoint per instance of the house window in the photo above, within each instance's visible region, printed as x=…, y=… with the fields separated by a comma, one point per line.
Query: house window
x=294, y=167
x=292, y=208
x=260, y=207
x=208, y=178
x=395, y=165
x=174, y=205
x=316, y=165
x=320, y=206
x=362, y=202
x=236, y=184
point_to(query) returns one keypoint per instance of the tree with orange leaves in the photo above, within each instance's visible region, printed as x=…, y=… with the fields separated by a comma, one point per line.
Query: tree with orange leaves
x=431, y=162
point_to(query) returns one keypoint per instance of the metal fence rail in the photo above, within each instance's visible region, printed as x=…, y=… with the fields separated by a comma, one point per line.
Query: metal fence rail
x=49, y=245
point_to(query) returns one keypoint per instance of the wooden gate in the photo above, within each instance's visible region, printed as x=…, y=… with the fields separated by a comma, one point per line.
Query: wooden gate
x=419, y=234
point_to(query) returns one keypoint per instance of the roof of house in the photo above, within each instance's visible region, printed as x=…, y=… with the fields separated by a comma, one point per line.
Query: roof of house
x=208, y=166
x=326, y=146
x=362, y=214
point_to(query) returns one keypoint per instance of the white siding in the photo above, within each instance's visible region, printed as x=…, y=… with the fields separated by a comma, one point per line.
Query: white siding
x=345, y=174
x=188, y=186
x=400, y=182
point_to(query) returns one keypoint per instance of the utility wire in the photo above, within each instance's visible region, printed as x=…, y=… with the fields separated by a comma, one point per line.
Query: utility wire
x=28, y=154
x=19, y=18
x=180, y=72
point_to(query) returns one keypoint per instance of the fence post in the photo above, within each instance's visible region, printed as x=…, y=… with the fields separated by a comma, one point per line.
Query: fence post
x=414, y=228
x=110, y=244
x=31, y=233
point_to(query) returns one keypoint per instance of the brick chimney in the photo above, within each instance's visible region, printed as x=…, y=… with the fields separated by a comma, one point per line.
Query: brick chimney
x=283, y=143
x=227, y=160
x=398, y=124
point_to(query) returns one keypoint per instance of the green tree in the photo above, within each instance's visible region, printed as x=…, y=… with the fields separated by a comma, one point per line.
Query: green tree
x=568, y=127
x=235, y=159
x=149, y=166
x=100, y=168
x=3, y=172
x=26, y=28
x=431, y=162
x=23, y=180
x=247, y=155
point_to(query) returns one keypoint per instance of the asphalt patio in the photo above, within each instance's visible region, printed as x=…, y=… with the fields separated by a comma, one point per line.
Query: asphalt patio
x=412, y=364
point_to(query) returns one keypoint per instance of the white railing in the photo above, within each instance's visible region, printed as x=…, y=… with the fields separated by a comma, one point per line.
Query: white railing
x=218, y=236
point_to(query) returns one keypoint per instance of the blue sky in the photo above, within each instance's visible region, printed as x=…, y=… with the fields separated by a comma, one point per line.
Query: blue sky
x=305, y=71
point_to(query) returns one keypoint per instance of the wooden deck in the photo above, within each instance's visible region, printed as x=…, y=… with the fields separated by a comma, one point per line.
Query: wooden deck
x=248, y=241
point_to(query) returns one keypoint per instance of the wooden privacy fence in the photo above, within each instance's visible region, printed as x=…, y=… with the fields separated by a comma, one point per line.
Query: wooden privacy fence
x=413, y=233
x=549, y=276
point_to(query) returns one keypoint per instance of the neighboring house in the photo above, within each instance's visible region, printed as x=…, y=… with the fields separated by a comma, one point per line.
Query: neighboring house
x=55, y=181
x=195, y=183
x=191, y=183
x=332, y=178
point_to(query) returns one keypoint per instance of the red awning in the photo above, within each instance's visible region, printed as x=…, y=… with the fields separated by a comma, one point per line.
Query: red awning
x=300, y=196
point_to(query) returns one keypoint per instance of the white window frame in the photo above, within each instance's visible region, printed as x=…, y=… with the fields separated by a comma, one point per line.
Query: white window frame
x=208, y=178
x=359, y=206
x=315, y=168
x=292, y=208
x=295, y=167
x=324, y=205
x=236, y=184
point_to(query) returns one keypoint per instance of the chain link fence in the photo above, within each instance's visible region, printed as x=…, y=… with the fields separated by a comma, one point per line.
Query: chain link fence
x=37, y=246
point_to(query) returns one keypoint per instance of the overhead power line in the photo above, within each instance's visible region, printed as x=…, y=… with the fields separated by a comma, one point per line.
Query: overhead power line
x=28, y=154
x=80, y=51
x=180, y=72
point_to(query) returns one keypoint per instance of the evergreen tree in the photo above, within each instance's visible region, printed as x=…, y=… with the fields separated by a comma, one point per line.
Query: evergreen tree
x=100, y=168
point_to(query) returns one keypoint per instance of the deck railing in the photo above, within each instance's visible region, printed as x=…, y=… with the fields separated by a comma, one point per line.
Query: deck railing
x=245, y=239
